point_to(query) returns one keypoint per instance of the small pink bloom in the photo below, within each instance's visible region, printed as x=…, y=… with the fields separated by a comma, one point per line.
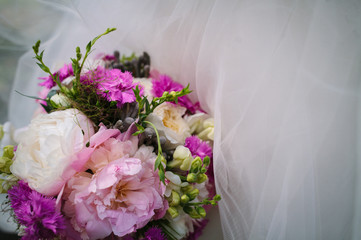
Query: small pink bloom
x=112, y=84
x=162, y=83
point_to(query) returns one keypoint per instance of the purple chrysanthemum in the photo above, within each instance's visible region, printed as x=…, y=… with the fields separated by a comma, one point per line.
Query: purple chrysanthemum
x=198, y=147
x=164, y=83
x=36, y=212
x=64, y=72
x=112, y=84
x=154, y=233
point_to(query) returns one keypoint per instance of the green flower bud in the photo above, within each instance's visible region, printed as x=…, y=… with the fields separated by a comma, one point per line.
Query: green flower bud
x=6, y=159
x=184, y=199
x=59, y=100
x=193, y=194
x=217, y=197
x=201, y=211
x=1, y=132
x=191, y=177
x=173, y=93
x=165, y=93
x=8, y=151
x=173, y=212
x=196, y=165
x=191, y=212
x=202, y=178
x=163, y=160
x=175, y=199
x=187, y=188
x=206, y=161
x=203, y=170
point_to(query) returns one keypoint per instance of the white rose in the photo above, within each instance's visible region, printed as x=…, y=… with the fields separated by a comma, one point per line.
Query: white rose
x=169, y=122
x=48, y=147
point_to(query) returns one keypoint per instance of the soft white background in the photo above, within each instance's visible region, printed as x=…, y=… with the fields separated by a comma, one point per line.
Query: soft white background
x=281, y=77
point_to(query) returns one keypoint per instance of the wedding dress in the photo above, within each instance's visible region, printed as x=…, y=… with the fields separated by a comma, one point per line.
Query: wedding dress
x=281, y=78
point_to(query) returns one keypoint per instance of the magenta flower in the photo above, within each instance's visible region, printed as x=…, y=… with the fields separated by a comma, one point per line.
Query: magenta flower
x=108, y=58
x=64, y=72
x=112, y=84
x=36, y=212
x=164, y=83
x=198, y=147
x=154, y=233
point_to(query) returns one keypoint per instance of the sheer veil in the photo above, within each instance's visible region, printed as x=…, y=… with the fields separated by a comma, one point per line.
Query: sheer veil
x=281, y=78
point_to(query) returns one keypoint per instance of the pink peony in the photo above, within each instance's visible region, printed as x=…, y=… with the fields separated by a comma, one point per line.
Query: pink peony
x=122, y=195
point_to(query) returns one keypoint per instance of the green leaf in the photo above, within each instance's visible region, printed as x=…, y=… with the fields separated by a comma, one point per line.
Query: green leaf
x=157, y=162
x=41, y=54
x=43, y=67
x=147, y=105
x=161, y=176
x=88, y=46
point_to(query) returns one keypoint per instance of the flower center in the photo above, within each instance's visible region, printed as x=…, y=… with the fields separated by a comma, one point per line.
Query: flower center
x=169, y=120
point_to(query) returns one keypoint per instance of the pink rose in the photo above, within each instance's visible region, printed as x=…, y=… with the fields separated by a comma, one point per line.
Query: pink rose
x=122, y=195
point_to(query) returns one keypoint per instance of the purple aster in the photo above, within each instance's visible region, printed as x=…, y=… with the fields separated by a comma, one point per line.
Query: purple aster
x=164, y=83
x=112, y=84
x=198, y=147
x=64, y=72
x=154, y=233
x=36, y=212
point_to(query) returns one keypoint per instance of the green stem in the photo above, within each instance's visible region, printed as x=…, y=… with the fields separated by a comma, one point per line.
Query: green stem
x=156, y=132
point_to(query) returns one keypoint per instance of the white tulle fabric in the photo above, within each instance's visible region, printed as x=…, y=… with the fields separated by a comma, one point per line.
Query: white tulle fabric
x=282, y=80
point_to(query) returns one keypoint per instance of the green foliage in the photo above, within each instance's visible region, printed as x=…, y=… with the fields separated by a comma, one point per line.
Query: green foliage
x=7, y=180
x=77, y=67
x=42, y=65
x=1, y=132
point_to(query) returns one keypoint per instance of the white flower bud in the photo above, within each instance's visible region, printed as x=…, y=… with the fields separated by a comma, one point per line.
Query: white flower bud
x=183, y=157
x=208, y=130
x=60, y=100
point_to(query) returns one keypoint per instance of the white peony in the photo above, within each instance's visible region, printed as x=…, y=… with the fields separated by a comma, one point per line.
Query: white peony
x=169, y=122
x=48, y=147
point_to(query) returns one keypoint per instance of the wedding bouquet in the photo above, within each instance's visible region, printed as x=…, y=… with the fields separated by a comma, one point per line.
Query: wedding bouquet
x=118, y=151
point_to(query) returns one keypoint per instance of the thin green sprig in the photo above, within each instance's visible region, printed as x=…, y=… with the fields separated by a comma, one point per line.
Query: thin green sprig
x=42, y=65
x=158, y=162
x=77, y=67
